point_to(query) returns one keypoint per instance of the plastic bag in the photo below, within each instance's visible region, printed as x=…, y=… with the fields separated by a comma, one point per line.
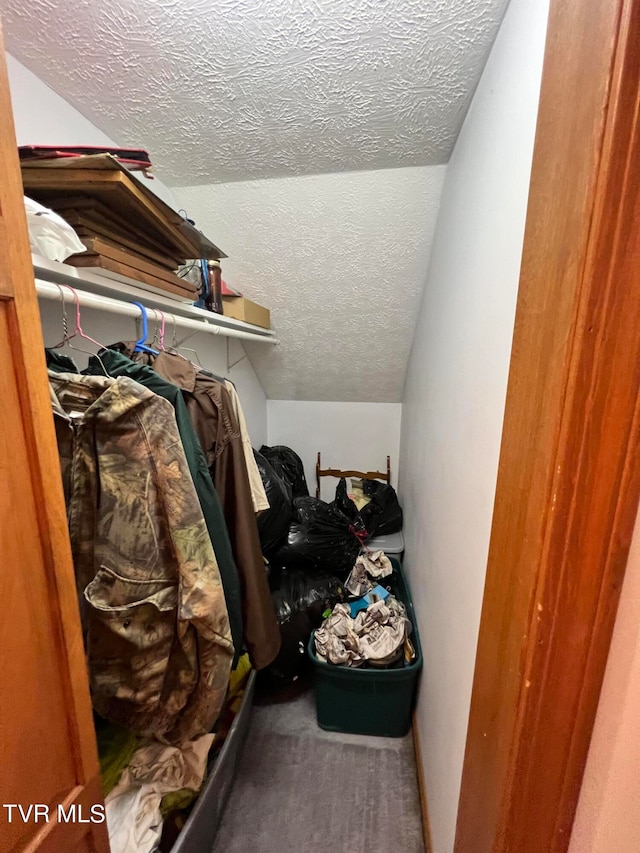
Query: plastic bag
x=300, y=602
x=312, y=594
x=321, y=539
x=381, y=516
x=273, y=523
x=49, y=234
x=287, y=465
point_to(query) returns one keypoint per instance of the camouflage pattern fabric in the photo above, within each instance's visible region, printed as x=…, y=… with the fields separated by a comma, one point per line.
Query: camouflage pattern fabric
x=215, y=424
x=153, y=610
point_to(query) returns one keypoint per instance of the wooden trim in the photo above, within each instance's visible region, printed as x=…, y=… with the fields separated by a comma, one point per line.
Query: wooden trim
x=17, y=288
x=422, y=788
x=38, y=419
x=55, y=836
x=568, y=481
x=363, y=475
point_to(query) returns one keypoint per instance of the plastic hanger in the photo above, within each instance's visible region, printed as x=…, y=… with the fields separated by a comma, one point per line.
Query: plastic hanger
x=78, y=331
x=141, y=345
x=158, y=334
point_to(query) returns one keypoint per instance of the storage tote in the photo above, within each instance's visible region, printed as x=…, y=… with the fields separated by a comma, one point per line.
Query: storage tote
x=369, y=701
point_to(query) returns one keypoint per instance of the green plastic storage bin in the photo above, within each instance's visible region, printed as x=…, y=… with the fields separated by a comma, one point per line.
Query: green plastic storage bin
x=368, y=701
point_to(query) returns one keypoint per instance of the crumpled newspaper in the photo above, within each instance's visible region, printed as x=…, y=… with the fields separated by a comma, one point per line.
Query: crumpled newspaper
x=375, y=633
x=369, y=564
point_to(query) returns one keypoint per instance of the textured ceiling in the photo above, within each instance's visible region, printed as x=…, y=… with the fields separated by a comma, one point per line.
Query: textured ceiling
x=231, y=90
x=331, y=98
x=341, y=260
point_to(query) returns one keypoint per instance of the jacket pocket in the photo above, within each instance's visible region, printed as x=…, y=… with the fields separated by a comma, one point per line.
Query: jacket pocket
x=131, y=630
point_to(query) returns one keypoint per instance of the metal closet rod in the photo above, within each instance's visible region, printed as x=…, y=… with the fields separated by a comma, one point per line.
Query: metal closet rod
x=47, y=290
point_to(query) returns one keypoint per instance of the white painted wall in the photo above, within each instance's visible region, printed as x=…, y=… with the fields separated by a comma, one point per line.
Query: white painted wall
x=340, y=260
x=349, y=435
x=42, y=117
x=212, y=352
x=608, y=817
x=455, y=392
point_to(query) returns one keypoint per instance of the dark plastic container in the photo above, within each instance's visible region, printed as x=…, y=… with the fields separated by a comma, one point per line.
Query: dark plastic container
x=199, y=832
x=369, y=701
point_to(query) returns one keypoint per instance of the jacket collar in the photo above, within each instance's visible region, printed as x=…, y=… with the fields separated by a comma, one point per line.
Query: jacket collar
x=172, y=366
x=95, y=397
x=177, y=369
x=59, y=362
x=114, y=361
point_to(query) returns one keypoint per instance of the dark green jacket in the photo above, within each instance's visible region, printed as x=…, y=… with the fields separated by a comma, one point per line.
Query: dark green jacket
x=117, y=364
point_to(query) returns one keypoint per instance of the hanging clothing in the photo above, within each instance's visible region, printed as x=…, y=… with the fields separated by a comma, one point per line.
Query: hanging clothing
x=258, y=494
x=59, y=362
x=216, y=426
x=117, y=364
x=152, y=605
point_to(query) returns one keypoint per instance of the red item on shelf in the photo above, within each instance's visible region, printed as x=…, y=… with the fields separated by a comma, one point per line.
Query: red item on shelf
x=132, y=158
x=227, y=291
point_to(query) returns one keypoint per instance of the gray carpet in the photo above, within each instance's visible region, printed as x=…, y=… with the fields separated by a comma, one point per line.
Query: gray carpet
x=301, y=789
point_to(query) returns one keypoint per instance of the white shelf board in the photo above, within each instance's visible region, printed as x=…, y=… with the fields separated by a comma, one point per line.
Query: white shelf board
x=100, y=285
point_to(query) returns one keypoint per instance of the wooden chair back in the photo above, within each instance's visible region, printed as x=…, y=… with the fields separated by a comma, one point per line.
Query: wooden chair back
x=363, y=475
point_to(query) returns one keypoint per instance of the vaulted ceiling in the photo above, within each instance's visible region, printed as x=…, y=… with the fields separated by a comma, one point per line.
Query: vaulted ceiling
x=231, y=92
x=228, y=90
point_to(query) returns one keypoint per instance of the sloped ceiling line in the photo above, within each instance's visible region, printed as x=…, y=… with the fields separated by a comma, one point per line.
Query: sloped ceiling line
x=227, y=90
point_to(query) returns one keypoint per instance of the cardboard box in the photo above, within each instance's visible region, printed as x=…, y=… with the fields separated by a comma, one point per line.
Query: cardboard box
x=244, y=309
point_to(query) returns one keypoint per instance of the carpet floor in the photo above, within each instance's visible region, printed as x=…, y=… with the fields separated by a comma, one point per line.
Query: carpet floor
x=302, y=789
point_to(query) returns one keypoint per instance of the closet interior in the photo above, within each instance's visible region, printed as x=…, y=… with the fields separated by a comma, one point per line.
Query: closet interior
x=227, y=368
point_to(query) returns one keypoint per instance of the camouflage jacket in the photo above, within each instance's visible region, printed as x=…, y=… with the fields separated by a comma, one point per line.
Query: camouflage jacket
x=153, y=609
x=211, y=412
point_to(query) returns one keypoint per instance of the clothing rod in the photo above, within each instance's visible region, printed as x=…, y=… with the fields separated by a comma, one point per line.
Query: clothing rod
x=47, y=290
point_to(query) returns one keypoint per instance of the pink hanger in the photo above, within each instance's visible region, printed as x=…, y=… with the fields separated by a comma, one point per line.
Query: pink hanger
x=78, y=329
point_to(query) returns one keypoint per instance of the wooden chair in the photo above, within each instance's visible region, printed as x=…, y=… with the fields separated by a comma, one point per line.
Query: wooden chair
x=363, y=475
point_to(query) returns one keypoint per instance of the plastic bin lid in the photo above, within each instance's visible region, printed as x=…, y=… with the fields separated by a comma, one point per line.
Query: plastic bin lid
x=392, y=544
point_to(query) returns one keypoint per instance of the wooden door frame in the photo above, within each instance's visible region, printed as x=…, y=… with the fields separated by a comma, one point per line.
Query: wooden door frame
x=568, y=481
x=19, y=302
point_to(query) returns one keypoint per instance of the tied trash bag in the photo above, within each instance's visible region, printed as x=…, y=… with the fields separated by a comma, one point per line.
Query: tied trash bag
x=273, y=523
x=381, y=516
x=300, y=602
x=287, y=465
x=321, y=539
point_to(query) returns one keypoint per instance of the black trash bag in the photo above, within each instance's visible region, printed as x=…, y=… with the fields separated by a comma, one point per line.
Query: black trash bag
x=312, y=594
x=300, y=602
x=273, y=523
x=381, y=516
x=321, y=539
x=288, y=466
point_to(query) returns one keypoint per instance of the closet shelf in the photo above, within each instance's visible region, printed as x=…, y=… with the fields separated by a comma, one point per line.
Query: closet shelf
x=103, y=294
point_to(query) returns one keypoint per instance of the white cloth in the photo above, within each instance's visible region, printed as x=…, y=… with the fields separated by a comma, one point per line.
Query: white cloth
x=49, y=234
x=258, y=494
x=134, y=819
